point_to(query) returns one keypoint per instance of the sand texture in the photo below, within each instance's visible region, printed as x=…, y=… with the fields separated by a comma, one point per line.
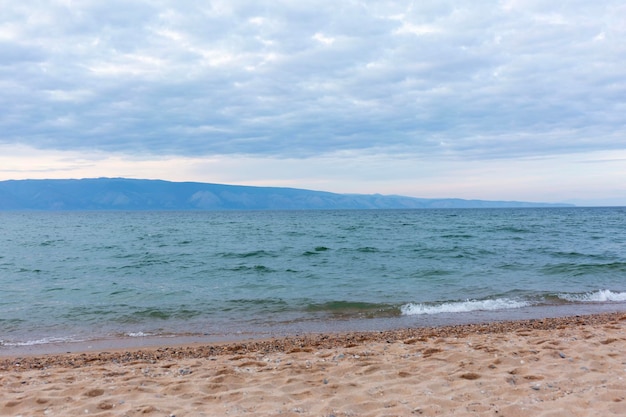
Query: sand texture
x=553, y=367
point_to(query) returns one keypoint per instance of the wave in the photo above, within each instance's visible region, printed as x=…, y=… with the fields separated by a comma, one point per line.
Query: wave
x=347, y=309
x=42, y=341
x=155, y=314
x=255, y=268
x=582, y=269
x=600, y=296
x=138, y=334
x=252, y=254
x=316, y=251
x=413, y=309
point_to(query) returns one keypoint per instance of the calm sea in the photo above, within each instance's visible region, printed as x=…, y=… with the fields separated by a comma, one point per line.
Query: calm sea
x=88, y=276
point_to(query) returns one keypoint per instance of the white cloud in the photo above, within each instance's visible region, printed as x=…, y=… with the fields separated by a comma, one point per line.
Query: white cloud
x=69, y=95
x=326, y=40
x=418, y=30
x=280, y=81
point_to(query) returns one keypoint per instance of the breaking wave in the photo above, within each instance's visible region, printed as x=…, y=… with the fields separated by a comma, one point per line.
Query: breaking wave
x=600, y=296
x=412, y=309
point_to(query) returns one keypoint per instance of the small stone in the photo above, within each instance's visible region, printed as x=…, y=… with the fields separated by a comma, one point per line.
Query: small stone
x=96, y=392
x=105, y=405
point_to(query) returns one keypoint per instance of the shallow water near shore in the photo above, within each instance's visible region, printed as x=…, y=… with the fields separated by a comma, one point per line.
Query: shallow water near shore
x=139, y=276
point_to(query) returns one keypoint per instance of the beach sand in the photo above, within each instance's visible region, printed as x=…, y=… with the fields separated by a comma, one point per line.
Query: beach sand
x=552, y=367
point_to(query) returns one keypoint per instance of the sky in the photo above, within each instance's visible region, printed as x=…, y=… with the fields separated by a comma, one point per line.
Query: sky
x=496, y=100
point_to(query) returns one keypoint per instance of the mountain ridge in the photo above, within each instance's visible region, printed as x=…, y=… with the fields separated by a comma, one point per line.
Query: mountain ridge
x=149, y=194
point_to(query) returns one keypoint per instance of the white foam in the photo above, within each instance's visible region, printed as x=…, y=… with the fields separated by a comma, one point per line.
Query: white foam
x=462, y=306
x=600, y=296
x=43, y=341
x=138, y=334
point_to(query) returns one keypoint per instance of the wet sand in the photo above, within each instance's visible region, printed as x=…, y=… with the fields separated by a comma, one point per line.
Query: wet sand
x=574, y=366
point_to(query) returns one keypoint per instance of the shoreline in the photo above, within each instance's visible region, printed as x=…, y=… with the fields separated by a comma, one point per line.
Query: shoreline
x=325, y=327
x=283, y=344
x=539, y=367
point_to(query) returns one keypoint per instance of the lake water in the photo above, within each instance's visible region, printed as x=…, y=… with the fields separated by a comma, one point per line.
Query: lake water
x=88, y=276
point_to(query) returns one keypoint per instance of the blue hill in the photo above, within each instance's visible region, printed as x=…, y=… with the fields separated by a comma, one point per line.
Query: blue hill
x=136, y=194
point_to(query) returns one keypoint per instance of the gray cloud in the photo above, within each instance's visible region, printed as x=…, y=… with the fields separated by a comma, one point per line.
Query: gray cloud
x=482, y=80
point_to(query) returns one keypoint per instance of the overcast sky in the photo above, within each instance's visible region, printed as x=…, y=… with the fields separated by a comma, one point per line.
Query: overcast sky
x=506, y=100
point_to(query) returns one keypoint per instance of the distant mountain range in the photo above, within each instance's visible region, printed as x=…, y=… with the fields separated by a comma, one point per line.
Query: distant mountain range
x=136, y=194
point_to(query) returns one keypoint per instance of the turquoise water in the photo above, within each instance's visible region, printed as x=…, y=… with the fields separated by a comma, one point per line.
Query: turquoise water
x=88, y=275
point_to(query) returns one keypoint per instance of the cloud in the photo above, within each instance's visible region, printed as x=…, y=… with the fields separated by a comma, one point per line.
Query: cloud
x=301, y=80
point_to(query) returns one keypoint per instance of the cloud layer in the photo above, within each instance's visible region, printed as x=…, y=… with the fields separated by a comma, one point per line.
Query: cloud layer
x=441, y=80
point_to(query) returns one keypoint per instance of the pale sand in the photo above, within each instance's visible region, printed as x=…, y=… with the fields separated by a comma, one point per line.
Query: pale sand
x=552, y=367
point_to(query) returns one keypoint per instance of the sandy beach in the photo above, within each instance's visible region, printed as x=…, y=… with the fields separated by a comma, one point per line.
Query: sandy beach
x=572, y=366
